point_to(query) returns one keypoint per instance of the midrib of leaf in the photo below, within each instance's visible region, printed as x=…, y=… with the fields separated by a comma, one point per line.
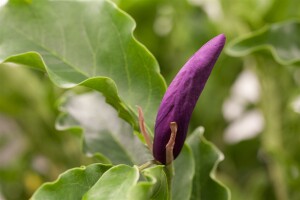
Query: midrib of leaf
x=124, y=55
x=150, y=87
x=93, y=52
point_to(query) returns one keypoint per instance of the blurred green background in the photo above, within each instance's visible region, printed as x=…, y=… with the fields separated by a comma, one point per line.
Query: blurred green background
x=249, y=107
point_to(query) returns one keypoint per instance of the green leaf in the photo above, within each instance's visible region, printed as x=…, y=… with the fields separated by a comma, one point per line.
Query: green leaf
x=155, y=187
x=89, y=43
x=103, y=131
x=207, y=157
x=184, y=167
x=72, y=184
x=114, y=184
x=279, y=39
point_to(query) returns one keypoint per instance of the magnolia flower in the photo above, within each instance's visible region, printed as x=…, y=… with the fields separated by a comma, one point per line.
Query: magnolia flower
x=181, y=97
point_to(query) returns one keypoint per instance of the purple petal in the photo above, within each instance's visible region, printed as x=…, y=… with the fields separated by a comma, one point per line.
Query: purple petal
x=181, y=97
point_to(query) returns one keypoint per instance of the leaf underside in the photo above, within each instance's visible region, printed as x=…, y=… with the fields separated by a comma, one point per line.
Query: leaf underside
x=102, y=130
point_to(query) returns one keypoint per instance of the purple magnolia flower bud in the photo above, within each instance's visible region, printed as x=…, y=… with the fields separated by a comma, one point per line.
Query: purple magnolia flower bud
x=181, y=97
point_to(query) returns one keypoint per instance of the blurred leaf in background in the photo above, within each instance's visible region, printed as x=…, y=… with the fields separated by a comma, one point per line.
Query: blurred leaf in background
x=32, y=151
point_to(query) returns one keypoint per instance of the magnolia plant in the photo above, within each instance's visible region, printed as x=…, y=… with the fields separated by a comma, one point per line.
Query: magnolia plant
x=178, y=103
x=101, y=53
x=180, y=99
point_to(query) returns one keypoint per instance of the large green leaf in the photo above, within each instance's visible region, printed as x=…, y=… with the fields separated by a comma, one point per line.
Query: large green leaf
x=207, y=157
x=72, y=184
x=280, y=39
x=103, y=131
x=114, y=184
x=83, y=42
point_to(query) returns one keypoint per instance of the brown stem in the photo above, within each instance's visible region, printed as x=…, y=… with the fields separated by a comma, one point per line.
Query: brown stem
x=143, y=129
x=171, y=143
x=169, y=169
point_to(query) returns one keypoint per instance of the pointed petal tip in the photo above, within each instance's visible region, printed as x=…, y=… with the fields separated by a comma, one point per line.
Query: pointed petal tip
x=219, y=39
x=210, y=49
x=222, y=35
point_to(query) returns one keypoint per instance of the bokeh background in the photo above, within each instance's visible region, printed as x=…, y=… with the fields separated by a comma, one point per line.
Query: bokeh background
x=250, y=107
